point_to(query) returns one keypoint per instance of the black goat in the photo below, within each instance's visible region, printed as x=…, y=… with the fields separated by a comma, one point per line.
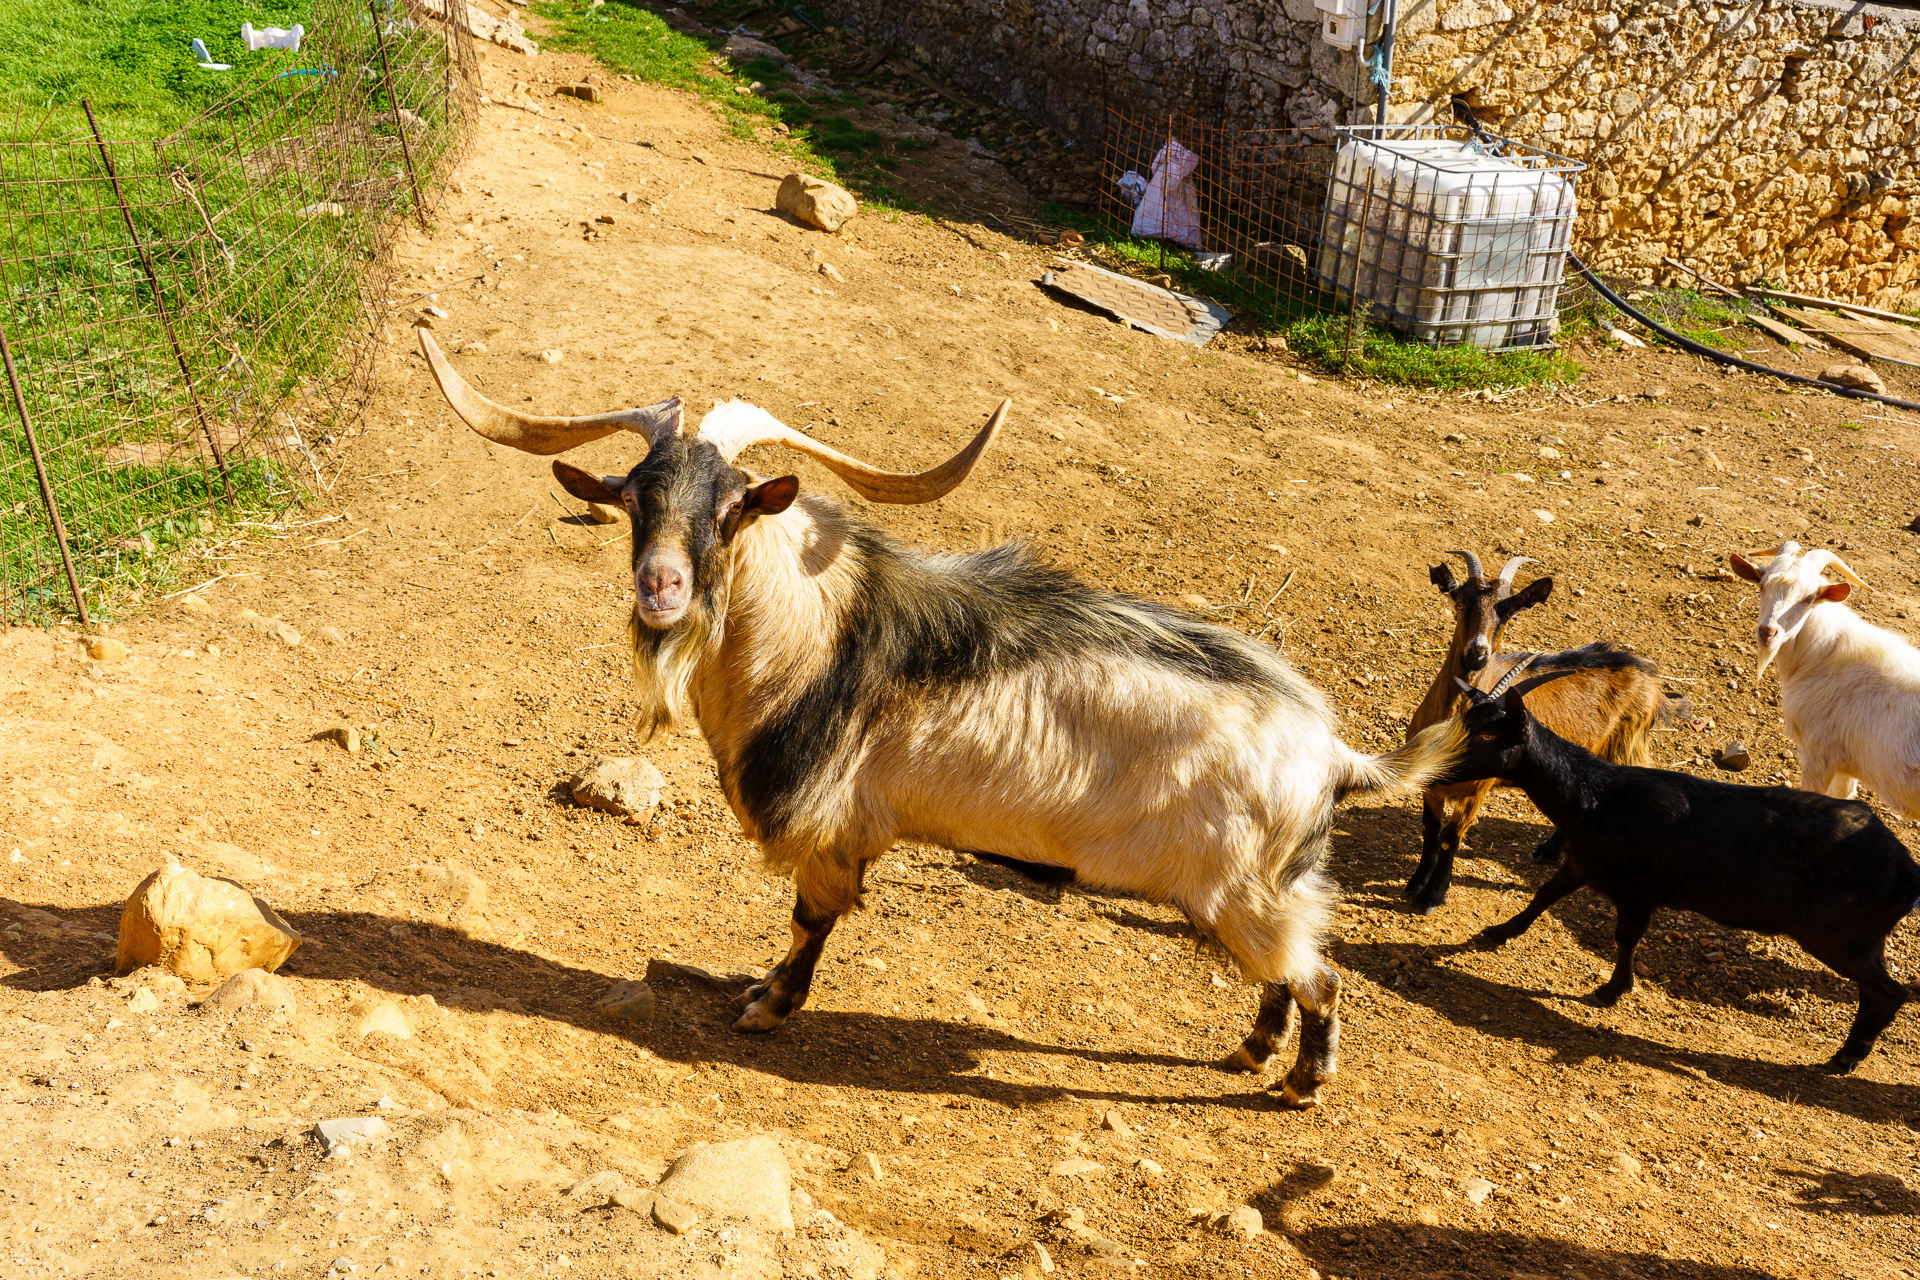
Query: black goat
x=1826, y=873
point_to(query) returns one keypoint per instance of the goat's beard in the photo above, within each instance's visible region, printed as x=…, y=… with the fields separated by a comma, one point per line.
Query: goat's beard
x=665, y=663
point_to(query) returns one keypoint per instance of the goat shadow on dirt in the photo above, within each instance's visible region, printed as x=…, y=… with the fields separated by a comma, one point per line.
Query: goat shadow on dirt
x=1372, y=852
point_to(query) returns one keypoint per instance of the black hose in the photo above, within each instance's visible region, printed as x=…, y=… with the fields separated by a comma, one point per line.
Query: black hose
x=1714, y=353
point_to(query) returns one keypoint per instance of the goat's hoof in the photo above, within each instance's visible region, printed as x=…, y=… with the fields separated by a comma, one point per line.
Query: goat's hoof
x=1546, y=855
x=1603, y=997
x=752, y=995
x=1429, y=906
x=758, y=1019
x=1488, y=939
x=1242, y=1060
x=1298, y=1099
x=1843, y=1063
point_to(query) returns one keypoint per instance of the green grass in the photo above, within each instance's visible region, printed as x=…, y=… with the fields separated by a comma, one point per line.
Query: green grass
x=266, y=308
x=820, y=138
x=1384, y=357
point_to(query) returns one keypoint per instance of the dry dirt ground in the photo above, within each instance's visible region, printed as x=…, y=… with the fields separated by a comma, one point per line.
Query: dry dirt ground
x=968, y=1029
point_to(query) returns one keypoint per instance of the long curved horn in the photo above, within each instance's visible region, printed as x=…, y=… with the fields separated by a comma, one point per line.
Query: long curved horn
x=1473, y=561
x=543, y=435
x=1528, y=685
x=1824, y=559
x=1511, y=567
x=735, y=426
x=1513, y=674
x=1771, y=552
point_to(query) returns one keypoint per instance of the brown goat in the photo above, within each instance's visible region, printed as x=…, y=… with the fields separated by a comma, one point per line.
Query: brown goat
x=1608, y=705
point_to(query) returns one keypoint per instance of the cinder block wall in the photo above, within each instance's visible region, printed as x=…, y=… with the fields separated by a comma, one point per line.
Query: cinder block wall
x=1775, y=138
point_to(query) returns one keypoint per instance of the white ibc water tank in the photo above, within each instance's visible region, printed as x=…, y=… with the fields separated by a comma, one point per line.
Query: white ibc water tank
x=1447, y=241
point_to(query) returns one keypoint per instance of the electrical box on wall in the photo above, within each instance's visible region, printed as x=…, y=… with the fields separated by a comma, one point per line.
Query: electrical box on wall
x=1339, y=22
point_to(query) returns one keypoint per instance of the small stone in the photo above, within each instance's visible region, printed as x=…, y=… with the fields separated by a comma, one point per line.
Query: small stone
x=604, y=513
x=815, y=202
x=344, y=734
x=143, y=1001
x=679, y=1219
x=1243, y=1222
x=747, y=1178
x=584, y=92
x=1543, y=515
x=251, y=988
x=617, y=785
x=1732, y=757
x=1101, y=1247
x=1625, y=1165
x=1041, y=1258
x=552, y=355
x=1070, y=237
x=634, y=1200
x=331, y=635
x=866, y=1165
x=1113, y=1122
x=1714, y=957
x=1454, y=437
x=581, y=139
x=630, y=197
x=628, y=1001
x=201, y=929
x=832, y=272
x=1697, y=519
x=1855, y=375
x=598, y=1186
x=1221, y=983
x=340, y=1135
x=438, y=313
x=1655, y=391
x=385, y=1018
x=106, y=649
x=606, y=219
x=194, y=603
x=734, y=979
x=1075, y=1167
x=875, y=963
x=1152, y=1168
x=268, y=627
x=1476, y=1190
x=1547, y=451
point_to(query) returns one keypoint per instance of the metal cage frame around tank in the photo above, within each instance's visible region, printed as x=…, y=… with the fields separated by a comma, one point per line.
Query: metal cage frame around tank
x=1439, y=251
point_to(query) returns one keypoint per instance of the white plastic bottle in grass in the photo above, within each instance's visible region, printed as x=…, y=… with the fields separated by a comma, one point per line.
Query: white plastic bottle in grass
x=272, y=37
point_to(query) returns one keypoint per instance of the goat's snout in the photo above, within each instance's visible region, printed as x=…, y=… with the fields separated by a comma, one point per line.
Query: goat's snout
x=1769, y=635
x=660, y=586
x=1476, y=655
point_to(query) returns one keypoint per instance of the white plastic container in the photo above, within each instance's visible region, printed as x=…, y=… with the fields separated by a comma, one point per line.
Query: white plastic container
x=1448, y=242
x=1339, y=22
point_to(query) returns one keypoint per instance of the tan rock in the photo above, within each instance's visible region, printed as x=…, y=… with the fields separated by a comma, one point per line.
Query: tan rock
x=201, y=929
x=816, y=202
x=383, y=1016
x=106, y=649
x=603, y=513
x=747, y=1178
x=618, y=785
x=194, y=603
x=250, y=988
x=1858, y=376
x=274, y=627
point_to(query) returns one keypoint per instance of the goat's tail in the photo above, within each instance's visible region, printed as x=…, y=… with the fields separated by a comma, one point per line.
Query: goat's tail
x=1432, y=751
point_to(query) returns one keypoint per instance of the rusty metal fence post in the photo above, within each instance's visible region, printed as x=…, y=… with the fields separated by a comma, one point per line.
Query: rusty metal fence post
x=160, y=302
x=399, y=114
x=46, y=486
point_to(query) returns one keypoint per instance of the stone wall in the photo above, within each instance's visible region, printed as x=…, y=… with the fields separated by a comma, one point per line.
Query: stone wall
x=1775, y=139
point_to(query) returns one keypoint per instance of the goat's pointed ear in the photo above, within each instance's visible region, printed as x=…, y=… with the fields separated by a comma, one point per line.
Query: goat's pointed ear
x=1535, y=592
x=771, y=497
x=1743, y=568
x=1836, y=591
x=587, y=488
x=1441, y=576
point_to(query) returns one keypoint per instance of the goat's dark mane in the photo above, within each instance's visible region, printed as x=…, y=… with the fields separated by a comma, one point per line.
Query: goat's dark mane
x=1601, y=655
x=926, y=622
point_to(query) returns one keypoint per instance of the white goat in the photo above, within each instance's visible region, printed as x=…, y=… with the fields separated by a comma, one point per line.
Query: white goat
x=1849, y=691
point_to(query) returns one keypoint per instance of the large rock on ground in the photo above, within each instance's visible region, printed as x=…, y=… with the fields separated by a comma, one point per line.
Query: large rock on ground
x=618, y=785
x=747, y=1178
x=1851, y=373
x=203, y=929
x=815, y=201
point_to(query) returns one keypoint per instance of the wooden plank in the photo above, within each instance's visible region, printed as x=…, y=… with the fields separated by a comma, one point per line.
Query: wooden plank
x=1787, y=333
x=1862, y=335
x=1710, y=282
x=1836, y=304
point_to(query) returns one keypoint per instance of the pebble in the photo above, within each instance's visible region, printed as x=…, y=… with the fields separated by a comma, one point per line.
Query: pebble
x=338, y=1136
x=1221, y=983
x=436, y=312
x=1656, y=391
x=832, y=272
x=629, y=1001
x=194, y=603
x=106, y=649
x=248, y=989
x=1476, y=1190
x=1543, y=515
x=617, y=785
x=604, y=513
x=552, y=355
x=274, y=627
x=1624, y=1164
x=633, y=1199
x=386, y=1019
x=1075, y=1167
x=1733, y=757
x=598, y=1186
x=1152, y=1168
x=344, y=734
x=866, y=1165
x=679, y=1219
x=1243, y=1222
x=1113, y=1121
x=143, y=1001
x=1041, y=1258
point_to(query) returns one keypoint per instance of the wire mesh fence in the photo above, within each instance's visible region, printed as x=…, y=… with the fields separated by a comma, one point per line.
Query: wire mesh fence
x=187, y=317
x=1437, y=233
